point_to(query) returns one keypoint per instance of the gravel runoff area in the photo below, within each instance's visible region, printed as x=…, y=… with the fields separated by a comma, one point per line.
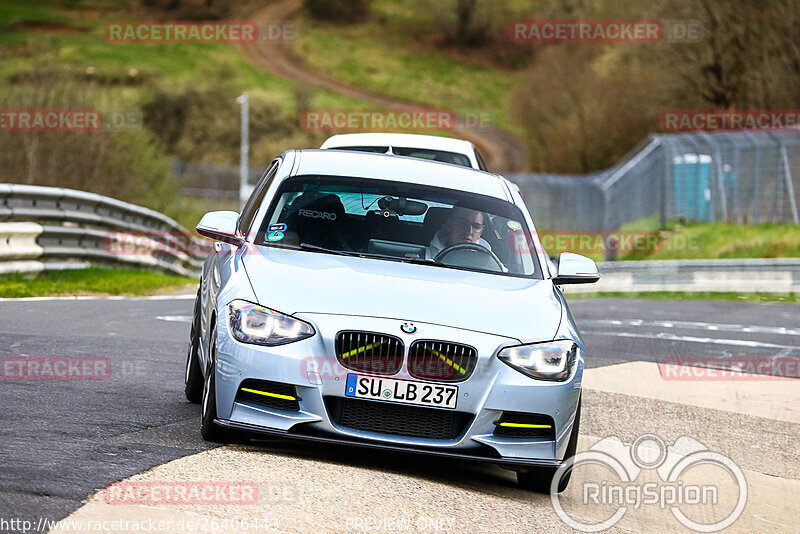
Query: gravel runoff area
x=304, y=487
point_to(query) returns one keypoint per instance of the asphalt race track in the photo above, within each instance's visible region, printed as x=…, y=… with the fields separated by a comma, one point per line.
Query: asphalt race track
x=63, y=440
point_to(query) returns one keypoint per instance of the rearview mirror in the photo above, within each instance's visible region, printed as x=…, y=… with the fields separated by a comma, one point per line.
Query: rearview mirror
x=402, y=206
x=576, y=269
x=220, y=226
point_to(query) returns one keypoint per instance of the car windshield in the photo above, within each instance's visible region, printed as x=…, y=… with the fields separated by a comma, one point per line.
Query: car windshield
x=398, y=221
x=422, y=153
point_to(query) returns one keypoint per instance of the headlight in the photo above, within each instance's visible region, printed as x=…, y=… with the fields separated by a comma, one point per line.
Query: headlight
x=251, y=323
x=547, y=361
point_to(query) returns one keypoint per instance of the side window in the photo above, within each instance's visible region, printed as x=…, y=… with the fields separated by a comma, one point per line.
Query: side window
x=253, y=203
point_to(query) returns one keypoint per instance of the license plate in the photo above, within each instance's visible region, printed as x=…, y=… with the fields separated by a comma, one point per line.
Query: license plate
x=401, y=391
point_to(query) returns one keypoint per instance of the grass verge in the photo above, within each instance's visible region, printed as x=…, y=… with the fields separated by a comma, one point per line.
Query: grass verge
x=721, y=240
x=783, y=298
x=644, y=240
x=383, y=56
x=91, y=281
x=113, y=65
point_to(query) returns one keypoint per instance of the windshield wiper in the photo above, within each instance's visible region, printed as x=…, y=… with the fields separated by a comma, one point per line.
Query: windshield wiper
x=404, y=259
x=306, y=246
x=419, y=261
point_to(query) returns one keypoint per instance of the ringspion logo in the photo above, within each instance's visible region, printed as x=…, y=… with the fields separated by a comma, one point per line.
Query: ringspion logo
x=618, y=479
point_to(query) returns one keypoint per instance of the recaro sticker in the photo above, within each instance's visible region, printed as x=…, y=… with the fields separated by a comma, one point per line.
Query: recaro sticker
x=314, y=214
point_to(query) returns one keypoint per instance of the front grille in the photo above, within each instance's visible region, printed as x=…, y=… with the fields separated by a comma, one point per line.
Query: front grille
x=370, y=353
x=442, y=361
x=543, y=426
x=396, y=419
x=270, y=394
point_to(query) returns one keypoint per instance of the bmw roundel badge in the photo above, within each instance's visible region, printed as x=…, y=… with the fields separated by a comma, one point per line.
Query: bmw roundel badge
x=408, y=328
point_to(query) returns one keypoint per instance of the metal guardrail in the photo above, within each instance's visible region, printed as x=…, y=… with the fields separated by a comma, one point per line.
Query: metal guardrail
x=768, y=275
x=49, y=228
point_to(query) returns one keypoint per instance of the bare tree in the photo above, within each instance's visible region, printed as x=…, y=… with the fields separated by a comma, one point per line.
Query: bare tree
x=749, y=56
x=465, y=13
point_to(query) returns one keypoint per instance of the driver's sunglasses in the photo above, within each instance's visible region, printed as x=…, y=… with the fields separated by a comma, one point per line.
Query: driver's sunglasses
x=461, y=222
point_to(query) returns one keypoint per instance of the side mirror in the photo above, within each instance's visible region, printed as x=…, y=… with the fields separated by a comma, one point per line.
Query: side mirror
x=221, y=226
x=576, y=269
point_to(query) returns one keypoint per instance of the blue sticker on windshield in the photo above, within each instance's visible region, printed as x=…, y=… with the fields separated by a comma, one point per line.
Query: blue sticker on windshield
x=280, y=227
x=275, y=236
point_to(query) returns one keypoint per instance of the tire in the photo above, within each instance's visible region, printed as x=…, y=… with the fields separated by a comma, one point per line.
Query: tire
x=193, y=376
x=539, y=479
x=210, y=430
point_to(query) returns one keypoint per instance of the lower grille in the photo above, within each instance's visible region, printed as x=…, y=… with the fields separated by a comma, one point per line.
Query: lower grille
x=386, y=418
x=441, y=361
x=370, y=353
x=269, y=394
x=525, y=425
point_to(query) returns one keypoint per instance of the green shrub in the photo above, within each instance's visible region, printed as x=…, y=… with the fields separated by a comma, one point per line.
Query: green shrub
x=203, y=124
x=128, y=165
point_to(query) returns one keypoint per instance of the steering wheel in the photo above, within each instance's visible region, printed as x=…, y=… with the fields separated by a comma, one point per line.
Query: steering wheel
x=468, y=251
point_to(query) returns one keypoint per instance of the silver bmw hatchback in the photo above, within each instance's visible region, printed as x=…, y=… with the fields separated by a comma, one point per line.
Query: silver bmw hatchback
x=382, y=301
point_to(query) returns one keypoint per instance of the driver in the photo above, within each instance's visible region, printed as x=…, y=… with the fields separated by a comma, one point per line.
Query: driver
x=464, y=225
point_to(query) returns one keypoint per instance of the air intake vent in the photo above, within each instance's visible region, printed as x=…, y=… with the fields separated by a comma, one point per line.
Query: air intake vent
x=441, y=361
x=525, y=425
x=395, y=419
x=370, y=353
x=269, y=394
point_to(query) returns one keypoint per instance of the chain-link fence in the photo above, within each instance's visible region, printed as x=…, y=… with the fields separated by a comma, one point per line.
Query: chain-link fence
x=743, y=177
x=209, y=180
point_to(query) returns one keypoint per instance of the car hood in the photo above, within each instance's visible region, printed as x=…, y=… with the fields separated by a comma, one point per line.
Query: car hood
x=295, y=282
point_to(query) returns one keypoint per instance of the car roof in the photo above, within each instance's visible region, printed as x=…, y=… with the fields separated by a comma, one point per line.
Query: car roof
x=404, y=140
x=399, y=169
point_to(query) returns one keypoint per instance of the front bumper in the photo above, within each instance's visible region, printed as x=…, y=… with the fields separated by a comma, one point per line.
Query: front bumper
x=311, y=367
